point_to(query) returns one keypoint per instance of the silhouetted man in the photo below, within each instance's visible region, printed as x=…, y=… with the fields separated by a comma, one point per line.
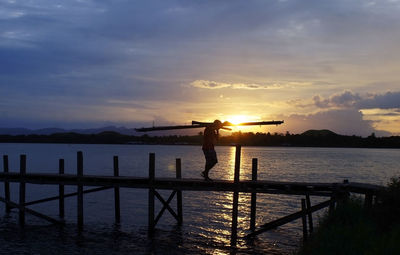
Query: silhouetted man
x=211, y=134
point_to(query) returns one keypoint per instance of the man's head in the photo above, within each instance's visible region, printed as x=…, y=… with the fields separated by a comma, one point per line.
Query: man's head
x=217, y=124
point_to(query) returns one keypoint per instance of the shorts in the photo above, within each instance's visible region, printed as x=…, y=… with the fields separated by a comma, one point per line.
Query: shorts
x=211, y=156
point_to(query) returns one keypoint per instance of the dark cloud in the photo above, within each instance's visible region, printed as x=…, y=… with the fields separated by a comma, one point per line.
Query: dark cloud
x=384, y=101
x=344, y=121
x=346, y=99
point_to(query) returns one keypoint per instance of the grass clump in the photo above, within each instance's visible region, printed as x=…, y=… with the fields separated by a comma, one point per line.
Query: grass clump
x=350, y=229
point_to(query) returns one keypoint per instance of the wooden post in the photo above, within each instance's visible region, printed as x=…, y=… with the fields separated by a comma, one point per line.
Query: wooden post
x=22, y=171
x=6, y=184
x=332, y=205
x=116, y=193
x=310, y=220
x=304, y=218
x=333, y=199
x=179, y=192
x=61, y=190
x=368, y=200
x=80, y=190
x=253, y=210
x=151, y=194
x=235, y=197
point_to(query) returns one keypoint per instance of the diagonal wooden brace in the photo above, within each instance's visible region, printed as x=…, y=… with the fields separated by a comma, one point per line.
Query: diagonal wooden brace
x=165, y=206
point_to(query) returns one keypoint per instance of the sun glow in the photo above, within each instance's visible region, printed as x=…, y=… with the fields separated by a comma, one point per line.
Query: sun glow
x=236, y=119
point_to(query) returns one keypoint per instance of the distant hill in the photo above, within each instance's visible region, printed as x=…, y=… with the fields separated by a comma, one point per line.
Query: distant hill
x=49, y=131
x=319, y=133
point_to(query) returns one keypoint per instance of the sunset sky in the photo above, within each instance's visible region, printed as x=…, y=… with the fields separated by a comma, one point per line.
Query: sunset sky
x=316, y=64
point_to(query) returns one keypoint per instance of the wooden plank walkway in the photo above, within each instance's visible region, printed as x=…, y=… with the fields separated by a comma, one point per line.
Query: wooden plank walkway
x=246, y=186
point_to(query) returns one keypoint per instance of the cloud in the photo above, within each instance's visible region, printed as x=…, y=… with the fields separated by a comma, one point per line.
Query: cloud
x=209, y=84
x=384, y=101
x=205, y=84
x=344, y=99
x=379, y=110
x=347, y=99
x=341, y=121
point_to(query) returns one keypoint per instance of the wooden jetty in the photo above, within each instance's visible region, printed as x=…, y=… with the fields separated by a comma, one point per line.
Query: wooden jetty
x=333, y=191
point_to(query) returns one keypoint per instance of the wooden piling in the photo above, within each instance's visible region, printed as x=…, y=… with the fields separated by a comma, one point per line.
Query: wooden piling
x=6, y=183
x=333, y=200
x=151, y=194
x=235, y=197
x=61, y=210
x=310, y=220
x=179, y=192
x=368, y=200
x=116, y=193
x=22, y=171
x=304, y=218
x=253, y=210
x=80, y=190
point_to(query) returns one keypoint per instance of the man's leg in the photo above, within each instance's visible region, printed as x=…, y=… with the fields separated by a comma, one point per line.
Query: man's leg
x=211, y=161
x=206, y=170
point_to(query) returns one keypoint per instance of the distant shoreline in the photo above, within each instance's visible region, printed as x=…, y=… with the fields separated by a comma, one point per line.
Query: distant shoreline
x=311, y=138
x=199, y=145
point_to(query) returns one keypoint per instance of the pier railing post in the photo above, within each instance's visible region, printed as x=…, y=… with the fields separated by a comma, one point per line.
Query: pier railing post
x=151, y=194
x=61, y=190
x=304, y=218
x=310, y=220
x=179, y=192
x=116, y=192
x=333, y=199
x=6, y=184
x=80, y=190
x=368, y=198
x=235, y=197
x=253, y=208
x=22, y=171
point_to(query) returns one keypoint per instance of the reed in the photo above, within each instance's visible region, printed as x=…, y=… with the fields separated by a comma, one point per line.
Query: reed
x=353, y=228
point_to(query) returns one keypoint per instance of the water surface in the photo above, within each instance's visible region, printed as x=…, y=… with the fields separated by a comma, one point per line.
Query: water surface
x=207, y=215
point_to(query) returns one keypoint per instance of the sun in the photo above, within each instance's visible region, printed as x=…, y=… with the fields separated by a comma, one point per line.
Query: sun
x=236, y=119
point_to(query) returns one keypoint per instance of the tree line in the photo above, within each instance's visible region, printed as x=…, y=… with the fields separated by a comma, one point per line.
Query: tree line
x=311, y=138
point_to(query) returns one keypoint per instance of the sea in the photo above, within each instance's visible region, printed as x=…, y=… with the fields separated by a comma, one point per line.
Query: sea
x=206, y=215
